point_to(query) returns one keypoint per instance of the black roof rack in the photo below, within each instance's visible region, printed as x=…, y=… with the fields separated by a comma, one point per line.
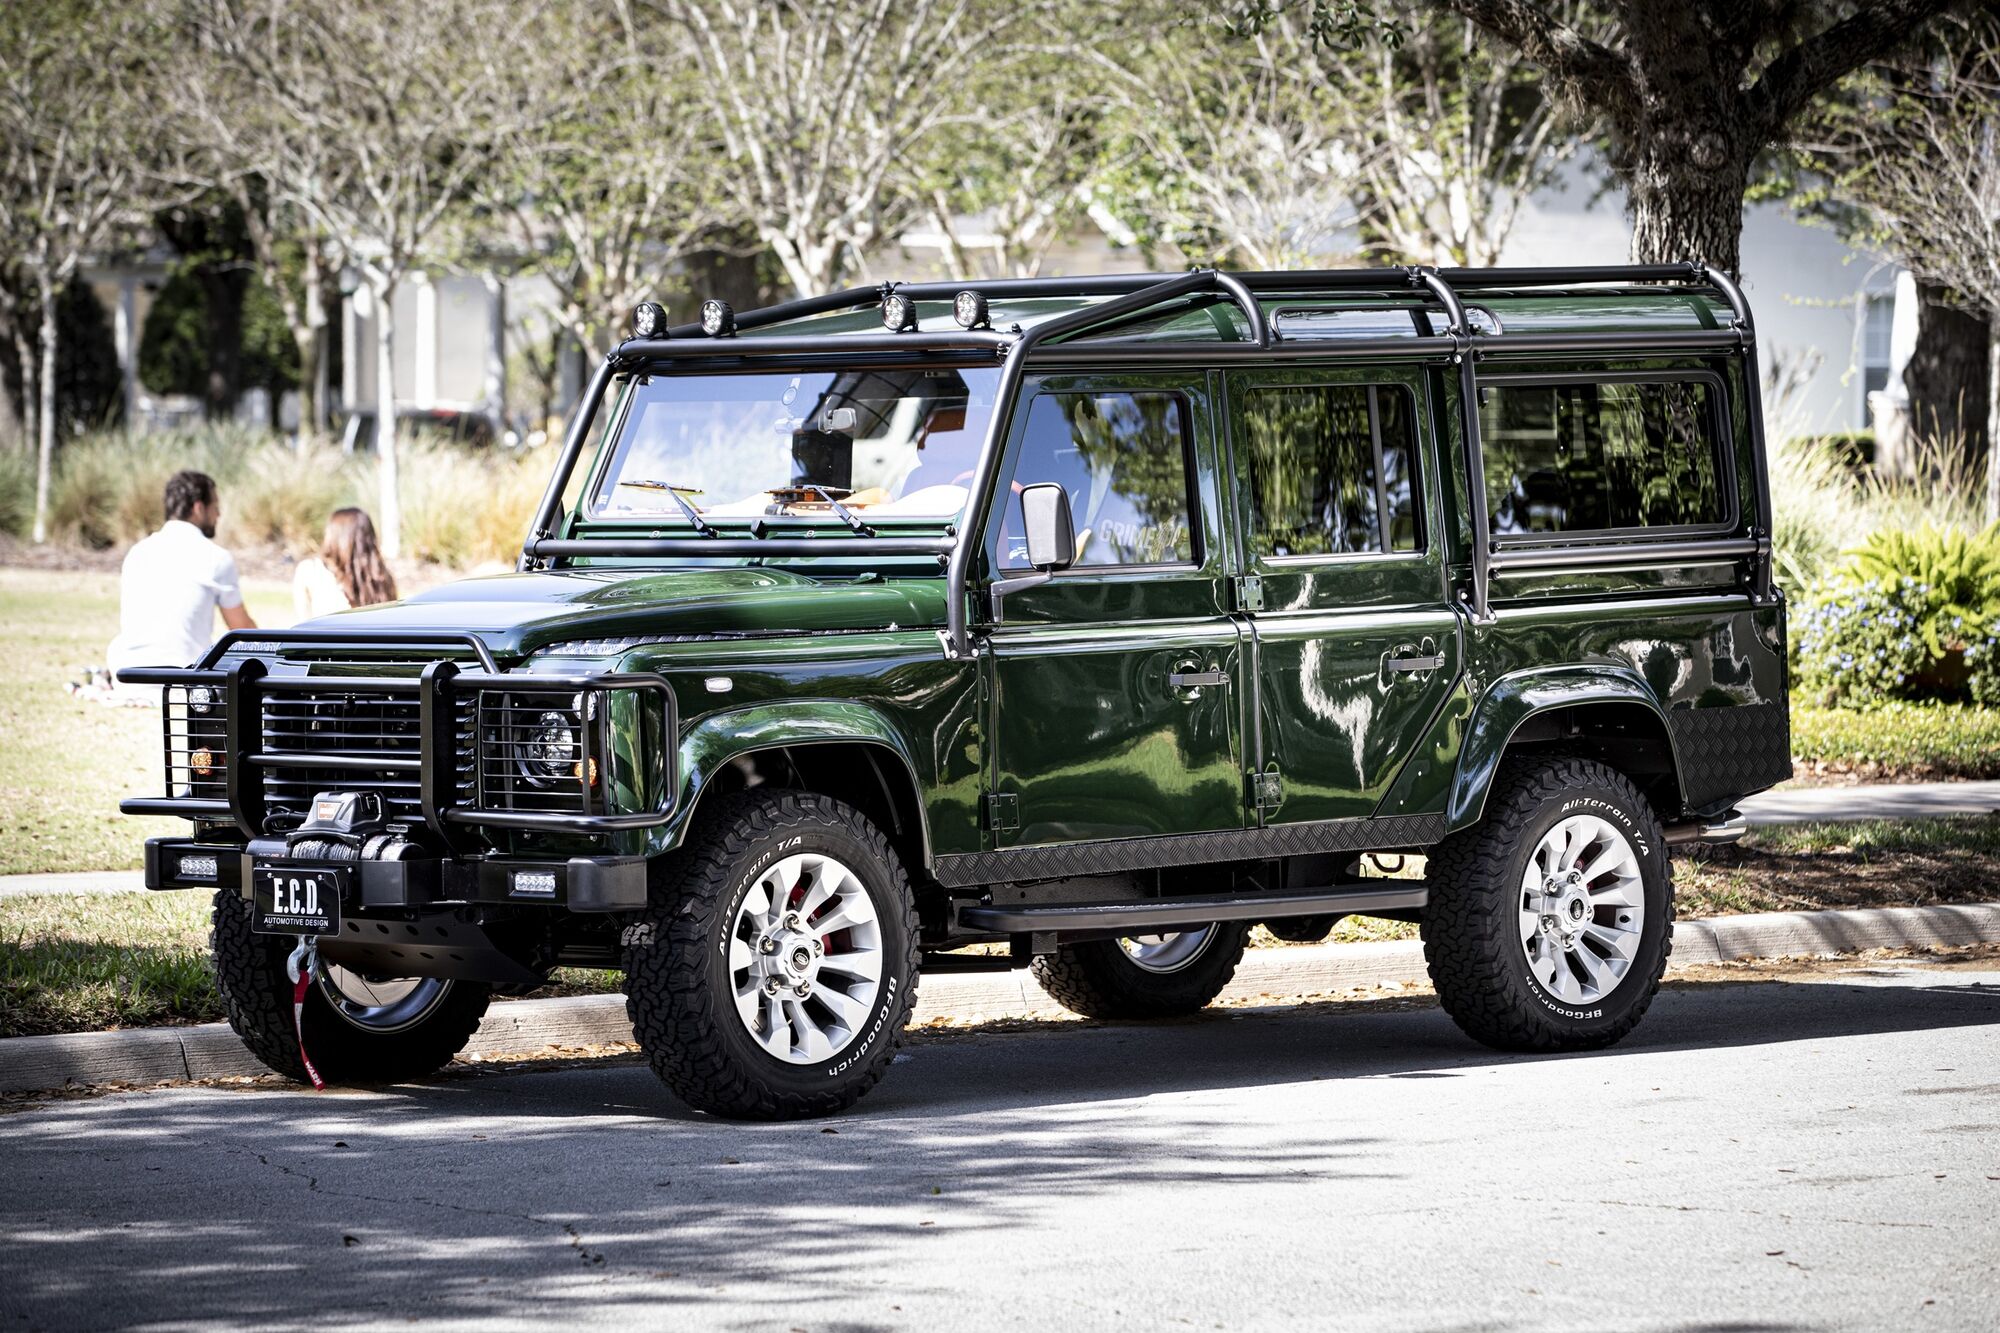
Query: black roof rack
x=1125, y=295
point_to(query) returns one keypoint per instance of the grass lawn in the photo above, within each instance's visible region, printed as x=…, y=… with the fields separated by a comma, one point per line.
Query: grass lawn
x=66, y=763
x=77, y=963
x=82, y=962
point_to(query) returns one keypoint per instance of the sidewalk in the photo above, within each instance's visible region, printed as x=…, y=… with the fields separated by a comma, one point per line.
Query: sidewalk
x=535, y=1027
x=1888, y=800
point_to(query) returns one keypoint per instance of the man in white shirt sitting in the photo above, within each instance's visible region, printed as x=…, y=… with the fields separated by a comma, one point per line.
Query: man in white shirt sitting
x=175, y=581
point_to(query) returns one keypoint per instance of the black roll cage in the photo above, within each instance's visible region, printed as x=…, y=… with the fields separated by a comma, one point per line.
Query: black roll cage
x=1460, y=346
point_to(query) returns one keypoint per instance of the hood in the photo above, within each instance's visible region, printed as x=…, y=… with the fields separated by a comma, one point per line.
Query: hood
x=518, y=613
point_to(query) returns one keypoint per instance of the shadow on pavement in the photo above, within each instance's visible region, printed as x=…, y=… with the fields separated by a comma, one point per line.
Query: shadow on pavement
x=521, y=1196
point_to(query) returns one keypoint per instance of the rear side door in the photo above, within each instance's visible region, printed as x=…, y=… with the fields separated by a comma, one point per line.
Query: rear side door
x=1353, y=639
x=1112, y=687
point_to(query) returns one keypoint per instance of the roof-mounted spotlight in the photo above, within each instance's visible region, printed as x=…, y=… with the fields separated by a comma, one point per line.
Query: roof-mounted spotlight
x=899, y=313
x=649, y=320
x=969, y=309
x=718, y=319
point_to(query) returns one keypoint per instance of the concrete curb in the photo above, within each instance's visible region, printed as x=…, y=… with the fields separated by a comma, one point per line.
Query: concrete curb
x=146, y=1055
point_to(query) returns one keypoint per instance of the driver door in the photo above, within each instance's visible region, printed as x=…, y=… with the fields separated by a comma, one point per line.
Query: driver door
x=1112, y=687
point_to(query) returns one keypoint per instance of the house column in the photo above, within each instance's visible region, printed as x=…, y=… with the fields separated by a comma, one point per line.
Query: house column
x=425, y=351
x=493, y=383
x=125, y=333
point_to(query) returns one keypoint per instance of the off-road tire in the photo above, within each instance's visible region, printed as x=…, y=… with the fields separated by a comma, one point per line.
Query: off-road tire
x=1095, y=978
x=1471, y=925
x=677, y=984
x=257, y=996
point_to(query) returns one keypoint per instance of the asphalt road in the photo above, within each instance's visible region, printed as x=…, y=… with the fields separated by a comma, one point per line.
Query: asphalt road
x=1803, y=1155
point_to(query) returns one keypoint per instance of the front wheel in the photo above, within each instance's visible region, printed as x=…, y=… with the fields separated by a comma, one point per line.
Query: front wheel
x=359, y=1027
x=1550, y=921
x=1144, y=976
x=772, y=972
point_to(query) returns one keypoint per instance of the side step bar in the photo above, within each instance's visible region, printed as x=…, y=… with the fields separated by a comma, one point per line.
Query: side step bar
x=1182, y=912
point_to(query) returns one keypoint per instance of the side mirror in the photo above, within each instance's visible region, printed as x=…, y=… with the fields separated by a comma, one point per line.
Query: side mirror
x=1051, y=531
x=1051, y=540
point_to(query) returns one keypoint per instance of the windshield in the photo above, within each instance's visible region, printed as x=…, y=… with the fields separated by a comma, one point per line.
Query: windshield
x=887, y=442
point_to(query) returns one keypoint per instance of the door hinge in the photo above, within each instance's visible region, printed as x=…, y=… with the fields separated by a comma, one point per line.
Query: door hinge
x=1249, y=592
x=1267, y=790
x=1003, y=811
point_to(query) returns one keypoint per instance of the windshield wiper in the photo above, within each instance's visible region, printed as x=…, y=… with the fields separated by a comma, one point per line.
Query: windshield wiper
x=673, y=492
x=840, y=510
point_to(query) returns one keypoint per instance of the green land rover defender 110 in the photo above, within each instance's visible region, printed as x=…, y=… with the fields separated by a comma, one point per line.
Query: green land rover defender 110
x=1078, y=624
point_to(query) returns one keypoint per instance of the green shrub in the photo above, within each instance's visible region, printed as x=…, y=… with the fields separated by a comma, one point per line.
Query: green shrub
x=1931, y=739
x=17, y=492
x=1982, y=666
x=1959, y=572
x=1861, y=644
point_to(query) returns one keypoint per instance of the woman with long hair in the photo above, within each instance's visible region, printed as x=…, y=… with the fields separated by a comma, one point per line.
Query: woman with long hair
x=349, y=570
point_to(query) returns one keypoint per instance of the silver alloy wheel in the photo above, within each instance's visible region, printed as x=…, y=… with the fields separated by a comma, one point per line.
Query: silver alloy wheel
x=1166, y=953
x=1583, y=909
x=380, y=1004
x=805, y=958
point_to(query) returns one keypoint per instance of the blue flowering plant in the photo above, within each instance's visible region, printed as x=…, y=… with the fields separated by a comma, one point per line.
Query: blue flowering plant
x=1858, y=643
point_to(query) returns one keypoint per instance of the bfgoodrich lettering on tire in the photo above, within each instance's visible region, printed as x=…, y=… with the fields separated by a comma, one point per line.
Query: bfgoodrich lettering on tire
x=772, y=972
x=1550, y=921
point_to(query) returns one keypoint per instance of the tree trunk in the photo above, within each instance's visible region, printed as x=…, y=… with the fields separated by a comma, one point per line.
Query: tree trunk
x=222, y=290
x=24, y=348
x=389, y=515
x=1993, y=416
x=46, y=414
x=1684, y=211
x=312, y=347
x=1946, y=377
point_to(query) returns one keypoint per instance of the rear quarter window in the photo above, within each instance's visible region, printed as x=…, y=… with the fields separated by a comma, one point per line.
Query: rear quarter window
x=1574, y=456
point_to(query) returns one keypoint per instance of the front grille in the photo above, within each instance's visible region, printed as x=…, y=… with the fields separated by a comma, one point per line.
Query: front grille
x=356, y=725
x=532, y=751
x=197, y=742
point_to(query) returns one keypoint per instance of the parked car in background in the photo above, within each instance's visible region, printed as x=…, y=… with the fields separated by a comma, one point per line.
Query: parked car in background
x=1070, y=623
x=473, y=430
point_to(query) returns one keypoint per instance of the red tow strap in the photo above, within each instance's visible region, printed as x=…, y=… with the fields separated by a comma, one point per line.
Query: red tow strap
x=300, y=968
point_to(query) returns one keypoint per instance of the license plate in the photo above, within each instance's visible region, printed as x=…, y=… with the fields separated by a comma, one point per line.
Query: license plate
x=292, y=901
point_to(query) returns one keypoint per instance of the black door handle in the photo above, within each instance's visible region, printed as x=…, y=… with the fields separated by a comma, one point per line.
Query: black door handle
x=1431, y=663
x=1188, y=680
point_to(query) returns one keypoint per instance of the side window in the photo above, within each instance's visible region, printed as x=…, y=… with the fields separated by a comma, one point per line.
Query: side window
x=1333, y=469
x=1123, y=458
x=1595, y=457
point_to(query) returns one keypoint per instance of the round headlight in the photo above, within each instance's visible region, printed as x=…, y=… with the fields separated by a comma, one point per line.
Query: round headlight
x=718, y=319
x=649, y=320
x=899, y=313
x=969, y=309
x=201, y=699
x=550, y=751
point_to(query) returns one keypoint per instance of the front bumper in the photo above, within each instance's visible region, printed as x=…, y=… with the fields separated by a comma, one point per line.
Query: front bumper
x=577, y=884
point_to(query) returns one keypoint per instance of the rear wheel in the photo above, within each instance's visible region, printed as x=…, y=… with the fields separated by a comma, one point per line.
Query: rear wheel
x=772, y=972
x=1144, y=976
x=1550, y=921
x=359, y=1027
